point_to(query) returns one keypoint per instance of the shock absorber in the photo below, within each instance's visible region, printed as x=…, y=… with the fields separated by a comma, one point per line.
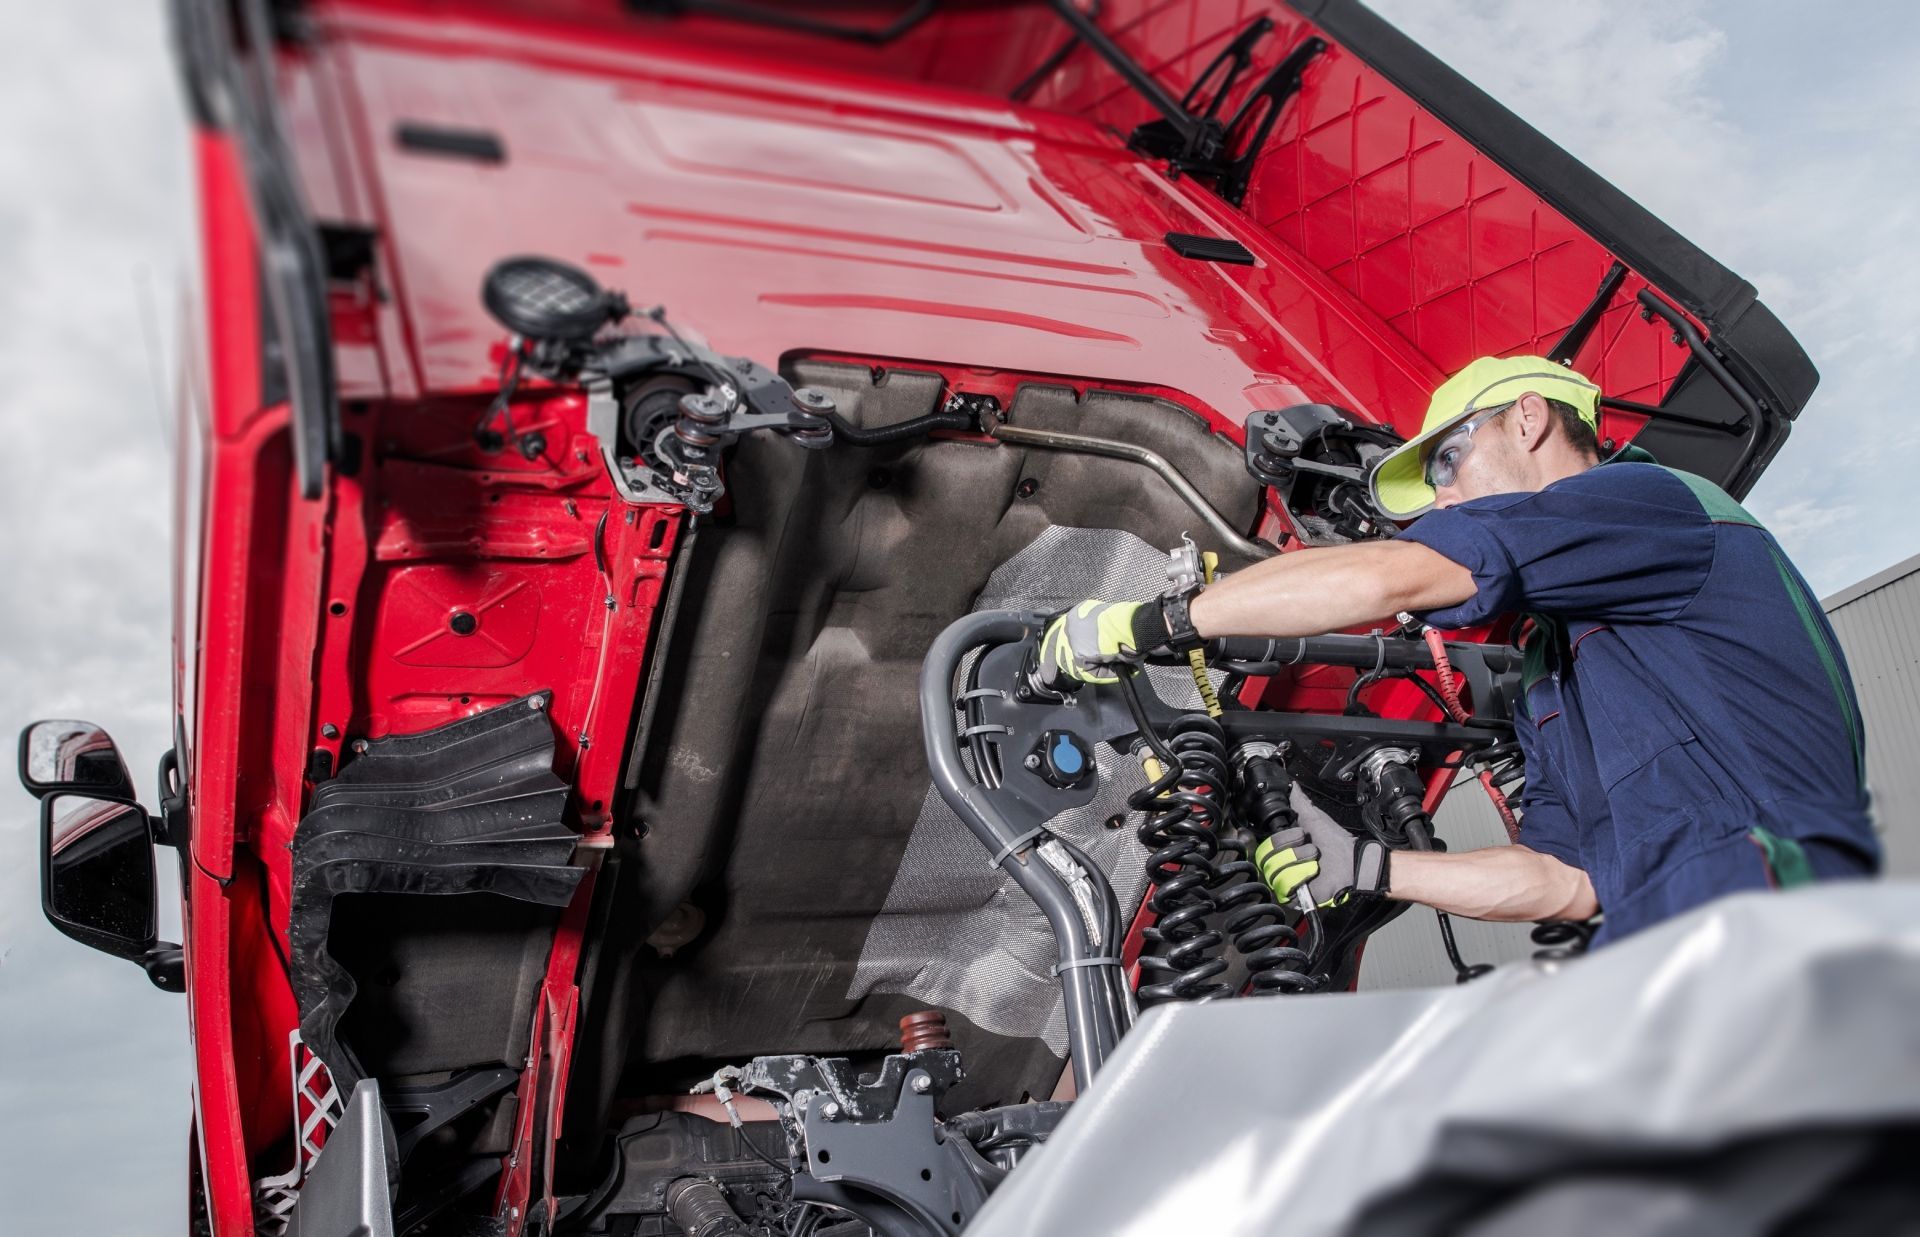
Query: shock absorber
x=1257, y=924
x=1184, y=804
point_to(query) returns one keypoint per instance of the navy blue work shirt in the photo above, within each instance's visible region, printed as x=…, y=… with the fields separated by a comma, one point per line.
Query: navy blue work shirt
x=1687, y=705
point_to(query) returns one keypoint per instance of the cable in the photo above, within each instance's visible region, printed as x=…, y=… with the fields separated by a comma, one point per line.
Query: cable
x=899, y=431
x=1450, y=693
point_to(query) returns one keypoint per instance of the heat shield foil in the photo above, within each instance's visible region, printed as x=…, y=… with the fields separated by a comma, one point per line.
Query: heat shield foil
x=956, y=932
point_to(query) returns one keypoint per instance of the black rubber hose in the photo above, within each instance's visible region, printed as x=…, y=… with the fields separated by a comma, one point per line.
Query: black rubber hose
x=899, y=431
x=701, y=1210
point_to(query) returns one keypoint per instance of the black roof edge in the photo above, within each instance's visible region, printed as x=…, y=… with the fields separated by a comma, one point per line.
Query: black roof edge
x=1758, y=347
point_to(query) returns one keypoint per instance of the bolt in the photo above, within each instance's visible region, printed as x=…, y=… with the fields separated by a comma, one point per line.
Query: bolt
x=1027, y=488
x=610, y=601
x=537, y=704
x=359, y=747
x=1032, y=761
x=830, y=1111
x=569, y=507
x=921, y=1084
x=329, y=731
x=463, y=623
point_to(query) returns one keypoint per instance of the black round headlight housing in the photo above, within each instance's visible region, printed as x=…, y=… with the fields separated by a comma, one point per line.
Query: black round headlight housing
x=544, y=299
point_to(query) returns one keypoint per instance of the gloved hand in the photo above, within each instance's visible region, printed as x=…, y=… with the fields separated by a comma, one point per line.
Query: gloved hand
x=1338, y=864
x=1085, y=644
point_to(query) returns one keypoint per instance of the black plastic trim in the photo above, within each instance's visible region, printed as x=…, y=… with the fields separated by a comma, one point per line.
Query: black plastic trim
x=469, y=807
x=479, y=145
x=1209, y=248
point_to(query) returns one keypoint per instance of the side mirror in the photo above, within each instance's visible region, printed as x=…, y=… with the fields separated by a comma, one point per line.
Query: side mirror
x=63, y=755
x=98, y=884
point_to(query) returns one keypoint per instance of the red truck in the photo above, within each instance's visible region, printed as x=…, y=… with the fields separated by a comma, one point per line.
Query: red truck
x=604, y=408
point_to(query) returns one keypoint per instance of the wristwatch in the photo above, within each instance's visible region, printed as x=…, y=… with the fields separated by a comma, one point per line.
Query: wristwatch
x=1176, y=611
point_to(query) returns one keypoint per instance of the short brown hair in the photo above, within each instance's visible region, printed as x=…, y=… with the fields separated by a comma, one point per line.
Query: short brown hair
x=1579, y=434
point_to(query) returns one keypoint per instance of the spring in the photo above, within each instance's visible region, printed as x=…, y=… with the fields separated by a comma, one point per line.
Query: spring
x=1184, y=805
x=1257, y=925
x=1561, y=939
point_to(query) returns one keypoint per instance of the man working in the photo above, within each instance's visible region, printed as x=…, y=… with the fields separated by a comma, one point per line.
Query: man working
x=1688, y=726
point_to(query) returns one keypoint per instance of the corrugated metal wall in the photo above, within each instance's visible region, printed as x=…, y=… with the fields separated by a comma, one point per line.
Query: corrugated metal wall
x=1876, y=621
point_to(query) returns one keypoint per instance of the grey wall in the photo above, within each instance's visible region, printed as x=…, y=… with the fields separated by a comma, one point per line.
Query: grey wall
x=1875, y=620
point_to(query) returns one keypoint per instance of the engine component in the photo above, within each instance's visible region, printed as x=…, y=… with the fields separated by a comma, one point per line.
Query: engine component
x=657, y=1151
x=1318, y=457
x=873, y=1145
x=923, y=1030
x=701, y=1210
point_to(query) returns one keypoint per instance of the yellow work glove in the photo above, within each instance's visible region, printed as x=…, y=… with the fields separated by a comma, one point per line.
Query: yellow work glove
x=1093, y=638
x=1320, y=851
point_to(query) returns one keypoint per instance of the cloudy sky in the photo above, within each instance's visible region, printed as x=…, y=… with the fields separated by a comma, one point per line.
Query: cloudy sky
x=1787, y=156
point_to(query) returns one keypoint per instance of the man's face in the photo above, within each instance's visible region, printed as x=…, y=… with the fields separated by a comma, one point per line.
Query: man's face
x=1488, y=459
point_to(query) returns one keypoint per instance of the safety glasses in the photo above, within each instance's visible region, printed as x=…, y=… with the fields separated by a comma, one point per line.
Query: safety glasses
x=1443, y=464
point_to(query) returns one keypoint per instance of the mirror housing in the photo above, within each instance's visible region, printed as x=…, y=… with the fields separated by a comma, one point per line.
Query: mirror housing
x=97, y=880
x=62, y=755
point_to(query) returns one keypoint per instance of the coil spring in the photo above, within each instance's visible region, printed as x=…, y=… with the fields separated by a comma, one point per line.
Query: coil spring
x=1257, y=924
x=1184, y=805
x=1560, y=939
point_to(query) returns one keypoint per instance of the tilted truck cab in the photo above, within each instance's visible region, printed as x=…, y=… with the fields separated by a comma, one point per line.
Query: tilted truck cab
x=602, y=409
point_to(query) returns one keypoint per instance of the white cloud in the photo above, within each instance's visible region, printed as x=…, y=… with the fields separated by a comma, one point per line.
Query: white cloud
x=1787, y=158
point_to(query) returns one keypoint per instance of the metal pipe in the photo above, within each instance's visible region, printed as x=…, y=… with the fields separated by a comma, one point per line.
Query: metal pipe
x=1720, y=374
x=1387, y=652
x=1085, y=983
x=1054, y=440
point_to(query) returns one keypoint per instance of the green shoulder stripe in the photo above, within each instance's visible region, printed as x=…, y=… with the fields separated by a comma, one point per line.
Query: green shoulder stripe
x=1719, y=505
x=1803, y=606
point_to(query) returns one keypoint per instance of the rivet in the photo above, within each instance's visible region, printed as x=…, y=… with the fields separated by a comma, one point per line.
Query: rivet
x=463, y=623
x=329, y=731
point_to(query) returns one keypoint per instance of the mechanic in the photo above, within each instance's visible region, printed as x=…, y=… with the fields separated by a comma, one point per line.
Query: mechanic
x=1689, y=726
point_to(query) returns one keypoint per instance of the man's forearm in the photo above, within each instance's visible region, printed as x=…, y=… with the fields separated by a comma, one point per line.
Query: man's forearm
x=1310, y=592
x=1506, y=883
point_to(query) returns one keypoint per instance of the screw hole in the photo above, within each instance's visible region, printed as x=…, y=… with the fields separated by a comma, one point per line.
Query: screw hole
x=658, y=536
x=466, y=700
x=926, y=1174
x=337, y=608
x=956, y=1217
x=825, y=1156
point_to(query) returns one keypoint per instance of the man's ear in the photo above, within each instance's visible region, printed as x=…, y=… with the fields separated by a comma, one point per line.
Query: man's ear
x=1533, y=421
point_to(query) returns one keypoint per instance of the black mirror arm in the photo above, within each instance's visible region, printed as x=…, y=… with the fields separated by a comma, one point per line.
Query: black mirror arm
x=166, y=965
